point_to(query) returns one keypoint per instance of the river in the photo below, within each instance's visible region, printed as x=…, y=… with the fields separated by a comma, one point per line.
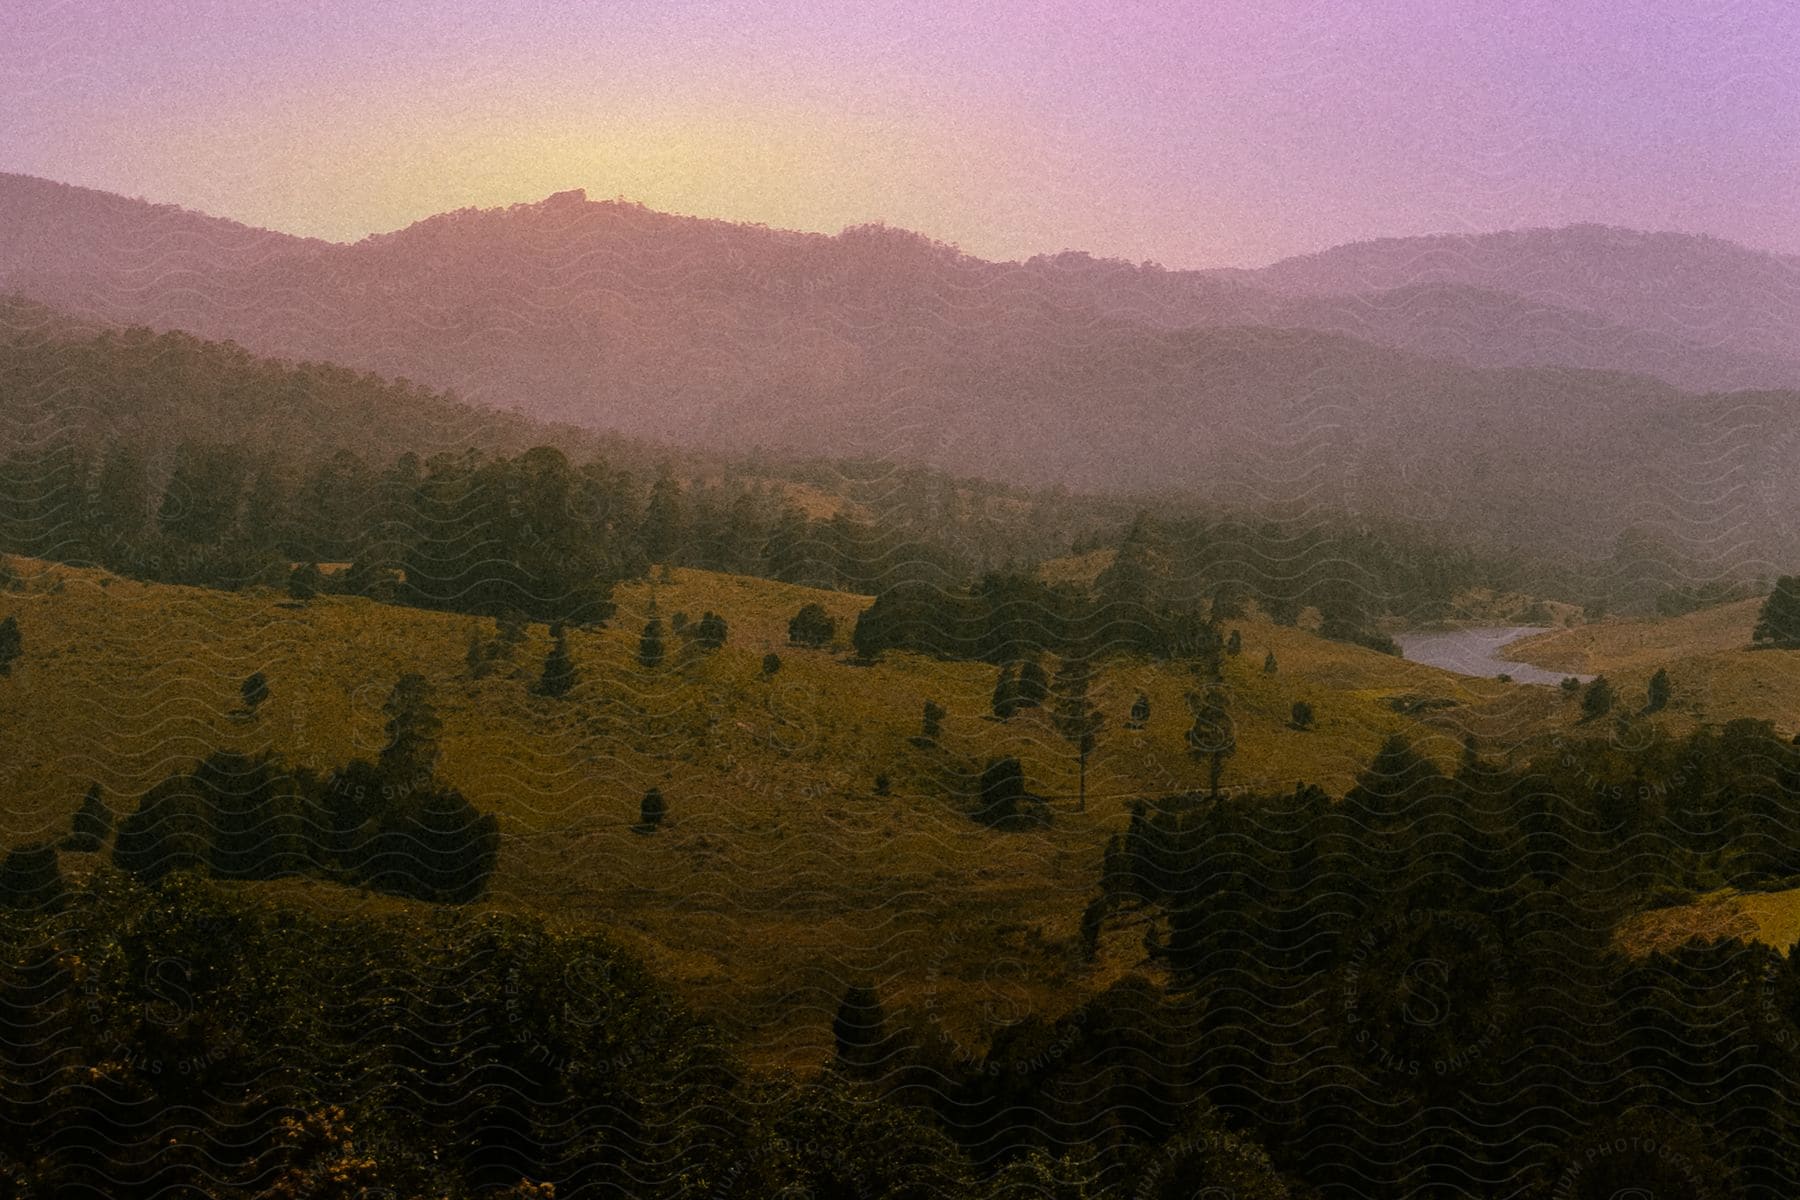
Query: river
x=1477, y=652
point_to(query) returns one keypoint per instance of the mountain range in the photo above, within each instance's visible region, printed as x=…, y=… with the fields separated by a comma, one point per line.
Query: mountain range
x=1547, y=386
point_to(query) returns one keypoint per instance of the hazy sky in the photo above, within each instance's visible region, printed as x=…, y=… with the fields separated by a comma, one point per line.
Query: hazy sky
x=1205, y=133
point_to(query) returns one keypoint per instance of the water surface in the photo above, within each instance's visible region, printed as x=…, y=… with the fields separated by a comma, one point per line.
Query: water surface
x=1477, y=652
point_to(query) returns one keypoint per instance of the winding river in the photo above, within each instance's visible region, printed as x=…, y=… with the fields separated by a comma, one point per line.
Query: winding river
x=1477, y=652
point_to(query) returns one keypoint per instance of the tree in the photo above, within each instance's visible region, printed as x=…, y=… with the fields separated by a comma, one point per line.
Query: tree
x=651, y=810
x=413, y=727
x=1140, y=712
x=254, y=690
x=477, y=658
x=1077, y=720
x=812, y=626
x=711, y=631
x=11, y=644
x=1006, y=693
x=1269, y=664
x=860, y=1028
x=305, y=581
x=31, y=878
x=650, y=645
x=771, y=664
x=1570, y=685
x=664, y=522
x=559, y=669
x=92, y=824
x=1213, y=736
x=1034, y=684
x=1598, y=699
x=1779, y=620
x=1657, y=697
x=932, y=723
x=1301, y=716
x=1234, y=645
x=434, y=845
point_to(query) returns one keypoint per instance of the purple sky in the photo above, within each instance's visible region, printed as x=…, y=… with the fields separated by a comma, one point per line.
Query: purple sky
x=1196, y=134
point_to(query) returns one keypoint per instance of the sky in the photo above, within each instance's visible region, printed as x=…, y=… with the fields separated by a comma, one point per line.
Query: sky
x=1208, y=133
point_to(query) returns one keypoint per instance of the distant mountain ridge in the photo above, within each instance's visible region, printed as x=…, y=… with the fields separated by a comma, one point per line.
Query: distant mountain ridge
x=1340, y=379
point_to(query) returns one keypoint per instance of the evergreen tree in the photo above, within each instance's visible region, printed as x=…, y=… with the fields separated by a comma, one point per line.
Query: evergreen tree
x=413, y=727
x=93, y=822
x=1234, y=645
x=1213, y=736
x=1301, y=716
x=254, y=691
x=859, y=1029
x=122, y=493
x=31, y=878
x=11, y=644
x=665, y=524
x=559, y=669
x=200, y=501
x=1140, y=712
x=1779, y=620
x=1269, y=664
x=711, y=632
x=812, y=626
x=1228, y=600
x=1657, y=697
x=477, y=658
x=650, y=644
x=305, y=581
x=1597, y=701
x=932, y=723
x=651, y=810
x=1034, y=685
x=771, y=663
x=1006, y=693
x=1077, y=720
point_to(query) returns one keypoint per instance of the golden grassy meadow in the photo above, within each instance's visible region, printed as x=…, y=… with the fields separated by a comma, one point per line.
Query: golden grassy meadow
x=780, y=873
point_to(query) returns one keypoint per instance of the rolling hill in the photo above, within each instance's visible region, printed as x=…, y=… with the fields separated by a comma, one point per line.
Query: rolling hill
x=1060, y=370
x=781, y=870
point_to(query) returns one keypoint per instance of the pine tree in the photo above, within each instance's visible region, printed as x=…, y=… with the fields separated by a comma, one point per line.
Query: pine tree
x=650, y=645
x=1597, y=701
x=1779, y=620
x=812, y=626
x=31, y=878
x=1301, y=716
x=411, y=753
x=711, y=632
x=254, y=690
x=1213, y=736
x=1269, y=664
x=1657, y=698
x=305, y=581
x=477, y=658
x=859, y=1029
x=1034, y=684
x=932, y=723
x=1140, y=712
x=664, y=523
x=771, y=664
x=11, y=644
x=1077, y=720
x=1234, y=645
x=651, y=810
x=559, y=669
x=1006, y=693
x=92, y=824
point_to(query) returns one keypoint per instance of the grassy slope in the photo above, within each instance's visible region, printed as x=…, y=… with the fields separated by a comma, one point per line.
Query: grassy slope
x=1716, y=676
x=779, y=874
